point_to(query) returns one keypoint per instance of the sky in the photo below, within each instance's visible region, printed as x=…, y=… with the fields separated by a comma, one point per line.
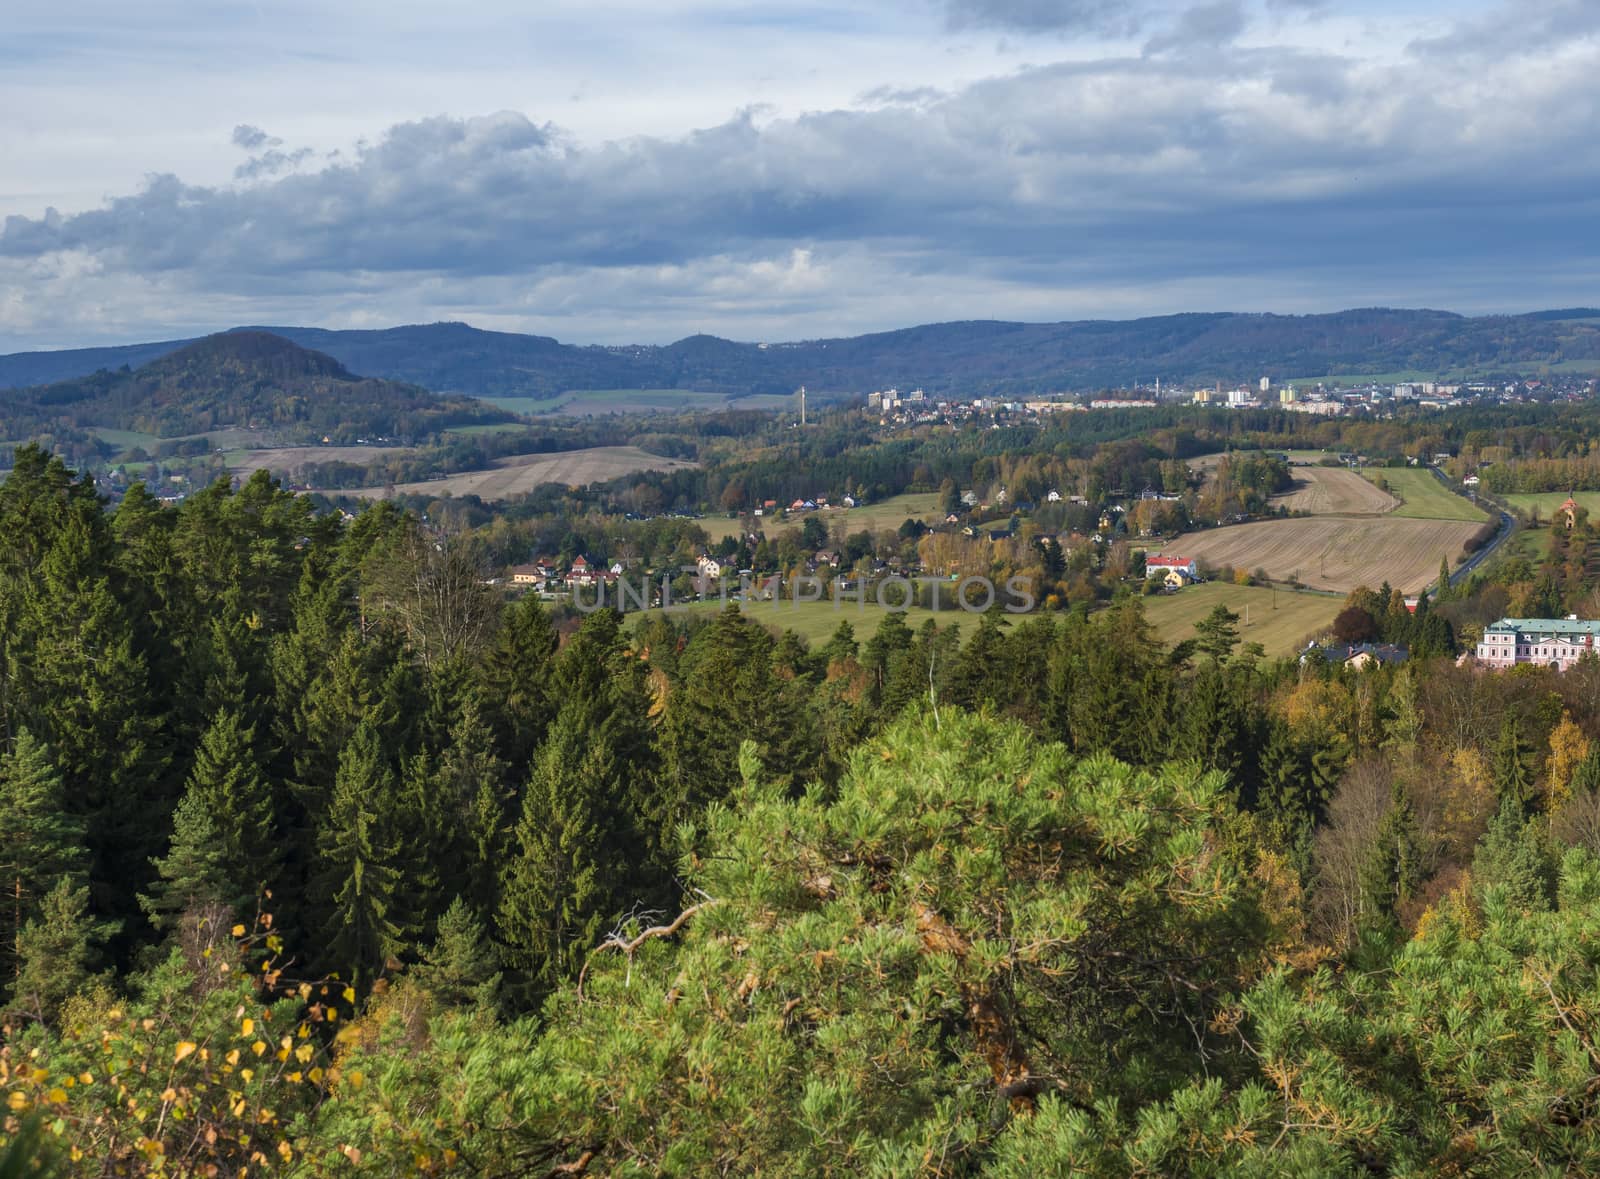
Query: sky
x=634, y=171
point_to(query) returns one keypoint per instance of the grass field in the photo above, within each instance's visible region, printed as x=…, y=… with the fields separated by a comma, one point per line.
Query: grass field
x=521, y=473
x=1425, y=498
x=1335, y=552
x=528, y=405
x=292, y=458
x=1548, y=501
x=1277, y=619
x=816, y=621
x=1334, y=491
x=886, y=514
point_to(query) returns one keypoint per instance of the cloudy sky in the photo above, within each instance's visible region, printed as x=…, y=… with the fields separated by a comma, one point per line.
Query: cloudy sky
x=636, y=170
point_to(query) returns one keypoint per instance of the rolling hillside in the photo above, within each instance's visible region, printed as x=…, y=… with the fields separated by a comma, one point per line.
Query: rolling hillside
x=963, y=357
x=253, y=380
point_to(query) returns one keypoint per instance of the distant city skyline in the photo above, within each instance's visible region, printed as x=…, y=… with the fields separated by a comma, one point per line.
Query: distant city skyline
x=636, y=172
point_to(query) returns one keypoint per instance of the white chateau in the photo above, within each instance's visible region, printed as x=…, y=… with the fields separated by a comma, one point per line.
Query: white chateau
x=1549, y=642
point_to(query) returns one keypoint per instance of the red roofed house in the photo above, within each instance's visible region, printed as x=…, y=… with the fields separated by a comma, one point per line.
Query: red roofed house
x=1163, y=565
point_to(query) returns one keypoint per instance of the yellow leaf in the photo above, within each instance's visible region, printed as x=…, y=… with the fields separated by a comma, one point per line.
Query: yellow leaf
x=17, y=1101
x=185, y=1049
x=315, y=1076
x=247, y=1027
x=258, y=1047
x=303, y=1053
x=232, y=1057
x=238, y=931
x=86, y=1078
x=56, y=1097
x=285, y=1150
x=356, y=1077
x=349, y=994
x=249, y=1074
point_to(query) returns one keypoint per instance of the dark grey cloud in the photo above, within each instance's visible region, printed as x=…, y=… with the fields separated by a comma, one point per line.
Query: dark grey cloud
x=253, y=138
x=1515, y=27
x=1106, y=17
x=1204, y=26
x=1263, y=170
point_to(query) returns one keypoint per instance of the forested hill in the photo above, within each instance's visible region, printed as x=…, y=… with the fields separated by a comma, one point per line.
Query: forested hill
x=247, y=378
x=967, y=357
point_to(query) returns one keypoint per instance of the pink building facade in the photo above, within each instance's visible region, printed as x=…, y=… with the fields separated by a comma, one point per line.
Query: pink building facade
x=1547, y=642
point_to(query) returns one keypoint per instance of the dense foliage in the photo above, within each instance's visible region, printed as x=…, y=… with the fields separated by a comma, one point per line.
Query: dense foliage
x=247, y=379
x=319, y=857
x=968, y=357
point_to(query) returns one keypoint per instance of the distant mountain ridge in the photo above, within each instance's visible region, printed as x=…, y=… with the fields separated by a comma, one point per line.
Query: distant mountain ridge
x=965, y=357
x=251, y=379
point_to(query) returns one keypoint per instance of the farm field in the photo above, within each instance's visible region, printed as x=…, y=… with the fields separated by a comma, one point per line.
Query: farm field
x=1207, y=463
x=233, y=436
x=290, y=458
x=1280, y=620
x=1548, y=501
x=1335, y=553
x=1334, y=491
x=1425, y=498
x=521, y=473
x=816, y=621
x=886, y=514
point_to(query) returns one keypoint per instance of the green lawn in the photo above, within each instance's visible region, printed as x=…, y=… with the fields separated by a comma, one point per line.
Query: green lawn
x=816, y=621
x=528, y=405
x=885, y=515
x=1548, y=501
x=1425, y=497
x=1280, y=620
x=127, y=439
x=489, y=428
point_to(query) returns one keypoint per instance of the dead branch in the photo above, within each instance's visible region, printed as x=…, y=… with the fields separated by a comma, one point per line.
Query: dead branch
x=630, y=946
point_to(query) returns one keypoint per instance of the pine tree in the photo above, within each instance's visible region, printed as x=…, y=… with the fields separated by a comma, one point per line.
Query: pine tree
x=1218, y=633
x=358, y=884
x=59, y=950
x=459, y=967
x=39, y=841
x=193, y=875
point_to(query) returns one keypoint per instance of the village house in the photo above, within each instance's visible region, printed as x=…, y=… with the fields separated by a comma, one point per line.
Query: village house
x=1162, y=567
x=527, y=575
x=709, y=567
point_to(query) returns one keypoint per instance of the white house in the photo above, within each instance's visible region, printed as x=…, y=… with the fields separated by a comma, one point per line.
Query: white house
x=1161, y=566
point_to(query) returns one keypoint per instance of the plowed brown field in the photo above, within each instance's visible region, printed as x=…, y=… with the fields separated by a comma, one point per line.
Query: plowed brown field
x=1332, y=552
x=1334, y=491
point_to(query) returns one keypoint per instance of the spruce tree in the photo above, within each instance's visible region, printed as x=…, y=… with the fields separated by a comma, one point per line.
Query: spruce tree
x=1512, y=859
x=558, y=889
x=459, y=968
x=39, y=840
x=1392, y=870
x=193, y=875
x=516, y=677
x=1513, y=763
x=357, y=886
x=228, y=784
x=59, y=949
x=469, y=791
